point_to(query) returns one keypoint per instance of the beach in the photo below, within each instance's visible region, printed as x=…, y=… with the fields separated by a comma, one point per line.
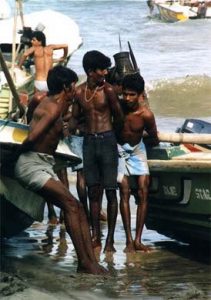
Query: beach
x=42, y=263
x=174, y=59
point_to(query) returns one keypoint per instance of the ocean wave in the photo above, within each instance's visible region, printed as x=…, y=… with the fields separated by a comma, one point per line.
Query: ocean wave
x=188, y=96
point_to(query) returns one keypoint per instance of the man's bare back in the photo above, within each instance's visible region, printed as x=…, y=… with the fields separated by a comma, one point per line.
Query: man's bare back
x=47, y=114
x=43, y=59
x=43, y=55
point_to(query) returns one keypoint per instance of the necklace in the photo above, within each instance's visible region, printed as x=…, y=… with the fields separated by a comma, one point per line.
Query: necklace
x=92, y=96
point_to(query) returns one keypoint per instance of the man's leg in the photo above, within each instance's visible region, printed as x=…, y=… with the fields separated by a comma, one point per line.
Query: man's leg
x=125, y=213
x=76, y=224
x=62, y=174
x=52, y=217
x=103, y=216
x=82, y=191
x=95, y=193
x=112, y=209
x=143, y=186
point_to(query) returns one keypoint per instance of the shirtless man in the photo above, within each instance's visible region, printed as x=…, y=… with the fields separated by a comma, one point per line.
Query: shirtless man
x=99, y=103
x=43, y=58
x=133, y=160
x=60, y=167
x=34, y=167
x=75, y=142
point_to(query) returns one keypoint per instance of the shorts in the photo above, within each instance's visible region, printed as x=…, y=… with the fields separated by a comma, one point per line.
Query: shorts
x=34, y=169
x=100, y=155
x=132, y=160
x=75, y=144
x=41, y=85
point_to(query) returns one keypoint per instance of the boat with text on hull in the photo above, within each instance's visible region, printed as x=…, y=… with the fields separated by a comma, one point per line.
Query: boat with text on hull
x=180, y=191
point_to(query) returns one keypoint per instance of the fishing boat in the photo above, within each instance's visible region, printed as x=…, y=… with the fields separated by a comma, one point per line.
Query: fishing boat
x=19, y=207
x=15, y=84
x=180, y=190
x=174, y=11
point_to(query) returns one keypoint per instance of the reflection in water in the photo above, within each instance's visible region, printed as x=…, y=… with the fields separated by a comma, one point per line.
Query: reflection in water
x=46, y=257
x=55, y=246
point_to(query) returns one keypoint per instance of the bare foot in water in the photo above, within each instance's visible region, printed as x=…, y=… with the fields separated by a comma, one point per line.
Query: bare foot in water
x=96, y=244
x=103, y=216
x=141, y=247
x=109, y=247
x=130, y=248
x=53, y=221
x=92, y=268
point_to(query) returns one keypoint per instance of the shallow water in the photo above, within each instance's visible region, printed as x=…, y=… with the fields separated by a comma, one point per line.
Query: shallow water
x=45, y=258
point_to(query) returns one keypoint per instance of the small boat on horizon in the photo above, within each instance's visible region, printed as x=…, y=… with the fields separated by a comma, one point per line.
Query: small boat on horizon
x=174, y=11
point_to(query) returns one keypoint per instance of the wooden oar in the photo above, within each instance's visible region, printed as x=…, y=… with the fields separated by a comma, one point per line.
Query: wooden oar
x=184, y=138
x=11, y=83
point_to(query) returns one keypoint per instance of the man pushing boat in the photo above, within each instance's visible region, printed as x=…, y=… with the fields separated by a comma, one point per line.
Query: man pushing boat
x=34, y=167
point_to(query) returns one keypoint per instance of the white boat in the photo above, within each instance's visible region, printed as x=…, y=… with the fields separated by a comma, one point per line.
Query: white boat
x=173, y=11
x=19, y=207
x=23, y=81
x=12, y=134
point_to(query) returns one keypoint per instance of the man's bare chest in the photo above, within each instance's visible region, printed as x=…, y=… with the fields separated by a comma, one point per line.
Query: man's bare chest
x=133, y=122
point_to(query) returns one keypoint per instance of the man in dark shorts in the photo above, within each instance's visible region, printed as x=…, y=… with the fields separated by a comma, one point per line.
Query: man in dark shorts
x=100, y=106
x=34, y=167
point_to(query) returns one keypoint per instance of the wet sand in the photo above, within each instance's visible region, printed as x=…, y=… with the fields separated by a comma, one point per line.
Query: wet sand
x=42, y=265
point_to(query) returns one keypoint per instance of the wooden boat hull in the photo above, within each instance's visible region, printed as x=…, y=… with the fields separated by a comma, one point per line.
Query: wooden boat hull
x=174, y=12
x=16, y=214
x=12, y=134
x=180, y=195
x=169, y=14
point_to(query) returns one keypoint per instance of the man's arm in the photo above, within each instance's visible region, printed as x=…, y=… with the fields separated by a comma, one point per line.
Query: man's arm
x=116, y=110
x=34, y=101
x=28, y=52
x=74, y=119
x=150, y=127
x=61, y=46
x=46, y=120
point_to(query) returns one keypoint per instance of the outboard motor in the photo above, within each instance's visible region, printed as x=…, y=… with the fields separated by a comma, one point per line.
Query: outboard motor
x=196, y=126
x=123, y=63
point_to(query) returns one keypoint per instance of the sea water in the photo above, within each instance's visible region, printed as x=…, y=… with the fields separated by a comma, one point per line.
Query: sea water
x=174, y=59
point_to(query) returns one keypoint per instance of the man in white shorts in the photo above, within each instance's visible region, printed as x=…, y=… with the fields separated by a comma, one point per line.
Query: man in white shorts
x=132, y=156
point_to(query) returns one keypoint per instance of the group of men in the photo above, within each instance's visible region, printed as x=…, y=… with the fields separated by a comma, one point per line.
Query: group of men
x=112, y=132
